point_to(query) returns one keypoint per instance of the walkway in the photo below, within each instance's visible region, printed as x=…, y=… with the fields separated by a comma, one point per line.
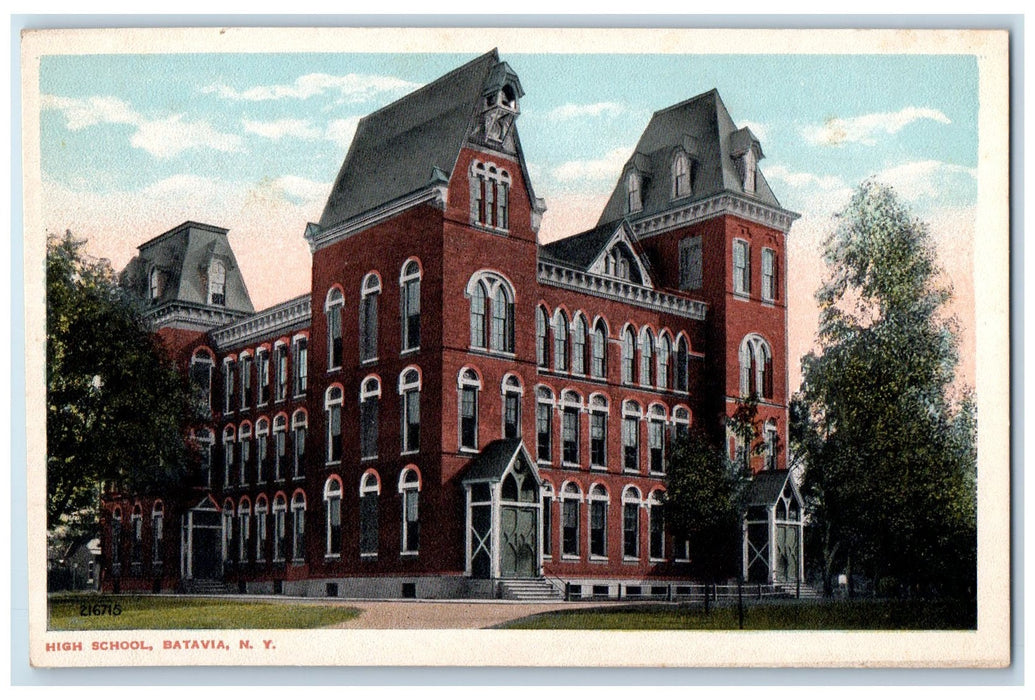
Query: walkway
x=437, y=614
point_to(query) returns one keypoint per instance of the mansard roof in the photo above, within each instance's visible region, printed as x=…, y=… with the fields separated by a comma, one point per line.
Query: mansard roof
x=398, y=149
x=703, y=129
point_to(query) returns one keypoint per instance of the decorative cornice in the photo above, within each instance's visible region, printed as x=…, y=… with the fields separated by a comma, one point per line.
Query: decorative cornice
x=725, y=203
x=273, y=320
x=435, y=193
x=620, y=290
x=191, y=316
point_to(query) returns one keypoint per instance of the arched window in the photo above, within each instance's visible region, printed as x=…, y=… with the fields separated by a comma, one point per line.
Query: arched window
x=244, y=438
x=369, y=416
x=628, y=354
x=681, y=421
x=217, y=283
x=409, y=487
x=228, y=454
x=512, y=392
x=244, y=529
x=598, y=503
x=332, y=405
x=631, y=501
x=756, y=367
x=571, y=408
x=136, y=521
x=229, y=384
x=262, y=450
x=299, y=429
x=478, y=300
x=544, y=425
x=634, y=201
x=205, y=443
x=300, y=360
x=280, y=369
x=261, y=510
x=682, y=364
x=279, y=446
x=246, y=380
x=598, y=412
x=409, y=390
x=490, y=195
x=298, y=526
x=560, y=341
x=409, y=283
x=542, y=341
x=228, y=530
x=279, y=527
x=502, y=339
x=631, y=436
x=664, y=360
x=332, y=500
x=548, y=498
x=157, y=284
x=333, y=310
x=656, y=525
x=262, y=374
x=468, y=386
x=646, y=357
x=571, y=517
x=771, y=439
x=578, y=344
x=157, y=532
x=368, y=296
x=492, y=312
x=680, y=175
x=201, y=381
x=369, y=490
x=598, y=351
x=656, y=438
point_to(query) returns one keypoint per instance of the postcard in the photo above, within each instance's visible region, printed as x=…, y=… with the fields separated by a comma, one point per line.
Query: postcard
x=517, y=347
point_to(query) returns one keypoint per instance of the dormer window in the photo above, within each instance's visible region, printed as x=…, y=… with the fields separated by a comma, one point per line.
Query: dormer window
x=156, y=284
x=633, y=183
x=749, y=165
x=680, y=175
x=217, y=283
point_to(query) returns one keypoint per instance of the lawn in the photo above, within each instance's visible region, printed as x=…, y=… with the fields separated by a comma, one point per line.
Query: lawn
x=161, y=613
x=833, y=615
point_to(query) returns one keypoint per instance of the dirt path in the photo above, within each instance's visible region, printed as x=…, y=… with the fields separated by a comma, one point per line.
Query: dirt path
x=426, y=614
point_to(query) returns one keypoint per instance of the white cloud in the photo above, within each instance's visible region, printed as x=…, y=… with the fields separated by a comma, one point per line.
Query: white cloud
x=804, y=180
x=341, y=131
x=605, y=168
x=353, y=87
x=761, y=131
x=281, y=128
x=865, y=128
x=162, y=138
x=302, y=189
x=597, y=109
x=929, y=179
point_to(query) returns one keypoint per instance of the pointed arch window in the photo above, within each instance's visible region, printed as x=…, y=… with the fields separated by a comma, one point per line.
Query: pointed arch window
x=478, y=300
x=656, y=525
x=656, y=438
x=409, y=282
x=664, y=361
x=468, y=387
x=369, y=416
x=598, y=351
x=244, y=437
x=370, y=291
x=578, y=344
x=409, y=488
x=542, y=341
x=262, y=375
x=756, y=367
x=246, y=380
x=299, y=430
x=298, y=526
x=682, y=364
x=560, y=341
x=628, y=355
x=492, y=312
x=490, y=196
x=680, y=175
x=512, y=392
x=631, y=502
x=681, y=422
x=409, y=390
x=598, y=502
x=646, y=357
x=333, y=400
x=229, y=385
x=333, y=312
x=369, y=490
x=332, y=501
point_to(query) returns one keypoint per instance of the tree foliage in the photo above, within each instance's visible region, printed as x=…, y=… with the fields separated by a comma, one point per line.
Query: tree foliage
x=890, y=462
x=117, y=408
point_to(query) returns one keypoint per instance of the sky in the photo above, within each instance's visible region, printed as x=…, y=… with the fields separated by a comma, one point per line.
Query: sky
x=133, y=145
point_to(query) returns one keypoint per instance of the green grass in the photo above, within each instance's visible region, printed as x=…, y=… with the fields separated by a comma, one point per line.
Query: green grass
x=835, y=615
x=161, y=613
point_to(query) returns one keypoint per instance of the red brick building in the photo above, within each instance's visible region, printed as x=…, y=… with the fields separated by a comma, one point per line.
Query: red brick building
x=455, y=406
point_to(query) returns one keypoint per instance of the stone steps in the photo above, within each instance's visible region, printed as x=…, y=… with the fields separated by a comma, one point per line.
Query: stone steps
x=201, y=586
x=530, y=589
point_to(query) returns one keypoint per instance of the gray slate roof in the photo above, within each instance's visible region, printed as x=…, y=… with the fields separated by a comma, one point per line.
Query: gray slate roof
x=493, y=460
x=579, y=251
x=396, y=149
x=703, y=127
x=766, y=487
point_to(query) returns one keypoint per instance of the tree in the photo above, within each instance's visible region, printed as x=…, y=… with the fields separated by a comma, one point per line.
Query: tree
x=117, y=408
x=889, y=455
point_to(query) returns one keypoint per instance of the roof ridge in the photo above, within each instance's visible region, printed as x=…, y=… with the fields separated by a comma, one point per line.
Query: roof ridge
x=684, y=103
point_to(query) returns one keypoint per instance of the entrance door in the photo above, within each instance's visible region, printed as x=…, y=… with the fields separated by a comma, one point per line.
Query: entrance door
x=786, y=553
x=518, y=541
x=206, y=543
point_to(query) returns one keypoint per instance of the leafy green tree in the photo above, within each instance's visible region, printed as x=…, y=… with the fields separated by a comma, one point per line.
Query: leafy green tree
x=117, y=408
x=889, y=455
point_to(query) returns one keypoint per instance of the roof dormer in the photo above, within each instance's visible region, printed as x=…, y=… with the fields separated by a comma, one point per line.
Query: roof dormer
x=746, y=152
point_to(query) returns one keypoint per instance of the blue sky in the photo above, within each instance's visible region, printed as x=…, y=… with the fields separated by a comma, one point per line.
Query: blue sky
x=132, y=145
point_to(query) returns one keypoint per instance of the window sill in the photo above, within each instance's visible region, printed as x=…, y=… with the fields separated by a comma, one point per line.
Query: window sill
x=656, y=560
x=468, y=450
x=409, y=452
x=409, y=351
x=298, y=562
x=571, y=465
x=368, y=556
x=681, y=561
x=742, y=296
x=332, y=463
x=570, y=557
x=333, y=369
x=367, y=361
x=598, y=467
x=331, y=557
x=369, y=458
x=490, y=352
x=770, y=303
x=408, y=555
x=630, y=560
x=598, y=560
x=631, y=471
x=654, y=472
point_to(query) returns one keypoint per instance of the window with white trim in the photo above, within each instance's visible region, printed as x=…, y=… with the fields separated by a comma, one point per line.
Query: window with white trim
x=370, y=292
x=544, y=425
x=228, y=454
x=598, y=503
x=262, y=450
x=542, y=341
x=548, y=498
x=631, y=436
x=681, y=422
x=280, y=360
x=333, y=312
x=490, y=196
x=369, y=416
x=756, y=367
x=333, y=400
x=229, y=385
x=598, y=412
x=205, y=445
x=298, y=526
x=216, y=283
x=680, y=175
x=492, y=312
x=261, y=510
x=512, y=393
x=741, y=267
x=682, y=364
x=246, y=381
x=628, y=354
x=409, y=284
x=409, y=488
x=201, y=366
x=300, y=361
x=262, y=375
x=299, y=431
x=768, y=274
x=664, y=361
x=157, y=284
x=409, y=390
x=578, y=344
x=571, y=407
x=598, y=351
x=244, y=527
x=468, y=386
x=228, y=530
x=332, y=501
x=656, y=438
x=771, y=438
x=646, y=357
x=571, y=516
x=691, y=258
x=656, y=525
x=369, y=490
x=244, y=437
x=279, y=446
x=634, y=201
x=631, y=502
x=560, y=341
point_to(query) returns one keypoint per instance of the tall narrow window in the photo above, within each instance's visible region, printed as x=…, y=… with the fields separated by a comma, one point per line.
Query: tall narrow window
x=492, y=312
x=631, y=523
x=229, y=385
x=244, y=438
x=542, y=342
x=560, y=341
x=690, y=264
x=116, y=537
x=547, y=520
x=301, y=365
x=468, y=385
x=598, y=351
x=299, y=429
x=369, y=417
x=261, y=510
x=332, y=405
x=511, y=406
x=262, y=375
x=279, y=527
x=598, y=501
x=246, y=381
x=741, y=267
x=298, y=526
x=628, y=355
x=228, y=530
x=571, y=502
x=490, y=189
x=682, y=364
x=205, y=444
x=597, y=432
x=634, y=202
x=571, y=407
x=156, y=284
x=656, y=518
x=544, y=424
x=333, y=310
x=578, y=344
x=279, y=447
x=369, y=294
x=369, y=490
x=756, y=367
x=262, y=450
x=201, y=382
x=664, y=361
x=217, y=283
x=646, y=357
x=409, y=488
x=680, y=175
x=656, y=438
x=768, y=274
x=228, y=455
x=478, y=301
x=280, y=357
x=332, y=501
x=409, y=390
x=244, y=530
x=631, y=436
x=770, y=438
x=409, y=283
x=502, y=339
x=157, y=532
x=681, y=421
x=136, y=521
